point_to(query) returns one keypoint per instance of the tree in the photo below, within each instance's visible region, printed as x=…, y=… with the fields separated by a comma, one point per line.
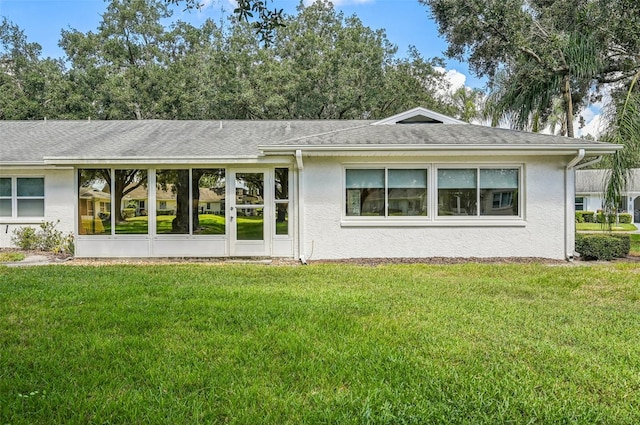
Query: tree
x=120, y=64
x=623, y=129
x=30, y=87
x=536, y=51
x=265, y=24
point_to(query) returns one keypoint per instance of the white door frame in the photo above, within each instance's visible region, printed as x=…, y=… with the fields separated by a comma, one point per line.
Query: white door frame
x=249, y=248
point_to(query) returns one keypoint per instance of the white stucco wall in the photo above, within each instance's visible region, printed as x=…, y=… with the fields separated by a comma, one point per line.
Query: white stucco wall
x=540, y=232
x=59, y=202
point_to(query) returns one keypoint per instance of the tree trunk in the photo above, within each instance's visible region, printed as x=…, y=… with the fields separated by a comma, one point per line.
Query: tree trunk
x=568, y=104
x=195, y=201
x=180, y=224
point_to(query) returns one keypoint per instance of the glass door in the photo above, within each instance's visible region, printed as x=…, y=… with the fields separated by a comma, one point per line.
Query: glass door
x=247, y=214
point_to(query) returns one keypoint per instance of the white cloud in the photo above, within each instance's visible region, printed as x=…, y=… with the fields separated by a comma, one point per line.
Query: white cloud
x=455, y=78
x=593, y=126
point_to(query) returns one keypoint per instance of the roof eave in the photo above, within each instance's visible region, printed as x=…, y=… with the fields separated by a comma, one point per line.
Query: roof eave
x=551, y=149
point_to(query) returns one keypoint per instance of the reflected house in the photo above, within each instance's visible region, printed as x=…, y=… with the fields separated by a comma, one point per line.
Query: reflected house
x=211, y=201
x=94, y=206
x=137, y=200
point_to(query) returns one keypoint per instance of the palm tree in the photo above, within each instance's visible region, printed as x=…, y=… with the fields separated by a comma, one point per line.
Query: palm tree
x=623, y=129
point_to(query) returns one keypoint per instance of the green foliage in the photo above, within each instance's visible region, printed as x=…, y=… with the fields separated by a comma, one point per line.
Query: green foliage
x=6, y=257
x=624, y=218
x=25, y=238
x=45, y=238
x=538, y=54
x=623, y=129
x=585, y=217
x=602, y=246
x=319, y=65
x=128, y=213
x=247, y=344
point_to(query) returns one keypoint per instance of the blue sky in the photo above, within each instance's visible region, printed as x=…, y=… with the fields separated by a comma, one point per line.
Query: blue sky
x=406, y=22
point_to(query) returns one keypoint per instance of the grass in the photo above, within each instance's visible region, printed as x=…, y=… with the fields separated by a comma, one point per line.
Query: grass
x=635, y=245
x=249, y=228
x=597, y=227
x=245, y=344
x=6, y=257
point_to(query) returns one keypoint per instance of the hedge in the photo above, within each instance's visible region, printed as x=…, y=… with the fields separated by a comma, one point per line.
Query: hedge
x=585, y=217
x=602, y=247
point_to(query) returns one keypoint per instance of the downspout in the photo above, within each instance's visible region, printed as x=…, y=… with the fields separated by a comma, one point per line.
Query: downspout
x=303, y=260
x=570, y=219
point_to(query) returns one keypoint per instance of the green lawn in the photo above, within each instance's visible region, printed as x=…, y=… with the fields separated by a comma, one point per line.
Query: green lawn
x=597, y=227
x=635, y=245
x=249, y=344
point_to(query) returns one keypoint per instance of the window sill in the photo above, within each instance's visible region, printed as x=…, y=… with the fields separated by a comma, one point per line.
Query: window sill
x=28, y=220
x=461, y=222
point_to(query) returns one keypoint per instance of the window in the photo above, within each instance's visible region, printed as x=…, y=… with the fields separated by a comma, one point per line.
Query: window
x=386, y=192
x=579, y=203
x=208, y=193
x=94, y=202
x=478, y=191
x=5, y=197
x=282, y=201
x=99, y=189
x=21, y=197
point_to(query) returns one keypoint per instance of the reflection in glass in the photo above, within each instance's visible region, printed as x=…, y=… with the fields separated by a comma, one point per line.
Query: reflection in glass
x=457, y=192
x=282, y=218
x=30, y=187
x=365, y=192
x=5, y=197
x=94, y=202
x=250, y=188
x=407, y=192
x=250, y=224
x=282, y=183
x=208, y=201
x=499, y=192
x=30, y=197
x=130, y=197
x=172, y=202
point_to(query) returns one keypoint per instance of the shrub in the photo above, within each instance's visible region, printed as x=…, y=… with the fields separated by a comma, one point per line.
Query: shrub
x=603, y=247
x=589, y=216
x=579, y=217
x=25, y=238
x=128, y=213
x=46, y=238
x=624, y=218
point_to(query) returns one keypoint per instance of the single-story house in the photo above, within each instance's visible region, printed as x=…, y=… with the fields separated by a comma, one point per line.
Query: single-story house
x=590, y=185
x=417, y=184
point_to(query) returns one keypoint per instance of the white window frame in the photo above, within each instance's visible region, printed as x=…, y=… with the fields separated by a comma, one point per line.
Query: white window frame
x=583, y=203
x=478, y=216
x=432, y=219
x=287, y=201
x=386, y=218
x=14, y=198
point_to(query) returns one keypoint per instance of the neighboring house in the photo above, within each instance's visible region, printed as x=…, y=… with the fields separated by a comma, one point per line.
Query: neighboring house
x=418, y=184
x=590, y=186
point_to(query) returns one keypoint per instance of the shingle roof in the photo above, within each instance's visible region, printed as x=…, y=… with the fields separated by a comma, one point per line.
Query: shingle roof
x=24, y=142
x=593, y=181
x=31, y=141
x=433, y=134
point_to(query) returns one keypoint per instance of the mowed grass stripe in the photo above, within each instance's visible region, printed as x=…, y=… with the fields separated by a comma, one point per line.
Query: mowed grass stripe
x=480, y=343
